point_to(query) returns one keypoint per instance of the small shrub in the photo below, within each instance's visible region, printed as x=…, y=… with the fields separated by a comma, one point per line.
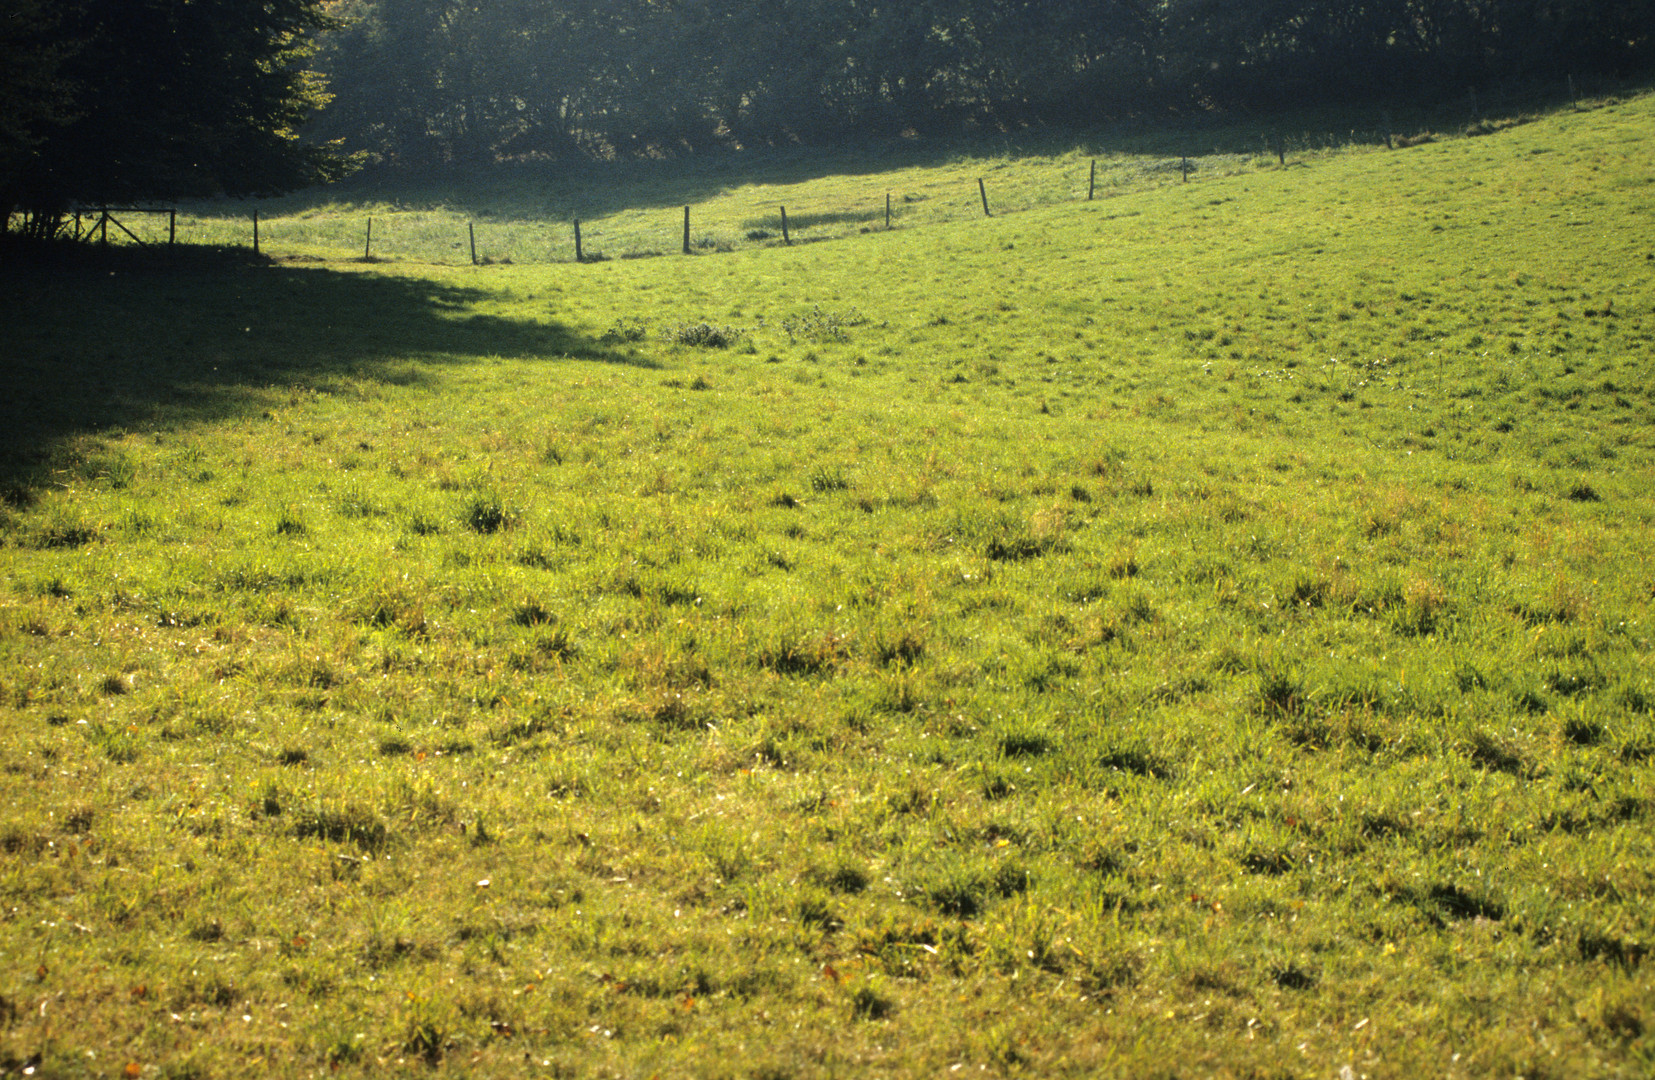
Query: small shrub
x=625, y=331
x=702, y=335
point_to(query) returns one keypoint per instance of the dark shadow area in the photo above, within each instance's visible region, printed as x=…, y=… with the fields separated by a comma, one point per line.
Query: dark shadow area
x=129, y=338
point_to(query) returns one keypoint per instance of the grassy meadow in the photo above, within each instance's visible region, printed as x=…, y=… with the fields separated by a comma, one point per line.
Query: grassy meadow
x=1203, y=631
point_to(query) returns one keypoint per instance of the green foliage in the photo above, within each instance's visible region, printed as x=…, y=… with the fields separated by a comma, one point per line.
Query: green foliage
x=422, y=82
x=137, y=100
x=701, y=335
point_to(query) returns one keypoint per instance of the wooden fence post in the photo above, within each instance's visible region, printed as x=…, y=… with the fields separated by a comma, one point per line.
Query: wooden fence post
x=786, y=239
x=686, y=230
x=172, y=227
x=887, y=211
x=1185, y=166
x=471, y=232
x=368, y=244
x=983, y=191
x=1092, y=181
x=255, y=232
x=578, y=256
x=103, y=229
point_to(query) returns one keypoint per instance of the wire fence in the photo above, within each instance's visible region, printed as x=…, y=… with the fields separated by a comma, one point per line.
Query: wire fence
x=749, y=217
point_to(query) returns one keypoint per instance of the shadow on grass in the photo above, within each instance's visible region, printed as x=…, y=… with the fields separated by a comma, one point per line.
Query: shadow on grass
x=587, y=189
x=129, y=339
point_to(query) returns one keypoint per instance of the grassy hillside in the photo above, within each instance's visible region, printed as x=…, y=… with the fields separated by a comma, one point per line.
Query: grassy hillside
x=1202, y=631
x=525, y=212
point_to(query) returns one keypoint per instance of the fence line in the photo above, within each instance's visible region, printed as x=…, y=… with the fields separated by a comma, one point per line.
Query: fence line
x=413, y=236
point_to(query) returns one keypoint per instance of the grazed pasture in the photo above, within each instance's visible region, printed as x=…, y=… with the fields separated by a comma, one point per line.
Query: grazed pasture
x=1202, y=631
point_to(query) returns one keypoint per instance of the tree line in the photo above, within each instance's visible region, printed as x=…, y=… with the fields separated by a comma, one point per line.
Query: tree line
x=418, y=81
x=104, y=101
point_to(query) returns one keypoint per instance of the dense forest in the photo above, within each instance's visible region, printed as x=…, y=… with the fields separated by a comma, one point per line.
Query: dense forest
x=420, y=81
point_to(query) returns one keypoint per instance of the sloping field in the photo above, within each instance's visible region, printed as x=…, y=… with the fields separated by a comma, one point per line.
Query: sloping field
x=1200, y=631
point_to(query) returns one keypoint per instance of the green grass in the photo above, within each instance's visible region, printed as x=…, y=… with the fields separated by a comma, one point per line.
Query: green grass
x=524, y=212
x=1203, y=631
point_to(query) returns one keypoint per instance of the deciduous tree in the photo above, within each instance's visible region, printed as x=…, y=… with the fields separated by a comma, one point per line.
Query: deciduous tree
x=162, y=99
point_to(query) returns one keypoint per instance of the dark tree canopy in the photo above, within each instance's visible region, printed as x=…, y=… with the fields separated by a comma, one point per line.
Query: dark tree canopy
x=155, y=100
x=456, y=80
x=117, y=100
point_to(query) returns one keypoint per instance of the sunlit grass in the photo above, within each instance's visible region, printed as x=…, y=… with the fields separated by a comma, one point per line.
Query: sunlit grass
x=526, y=212
x=1201, y=630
